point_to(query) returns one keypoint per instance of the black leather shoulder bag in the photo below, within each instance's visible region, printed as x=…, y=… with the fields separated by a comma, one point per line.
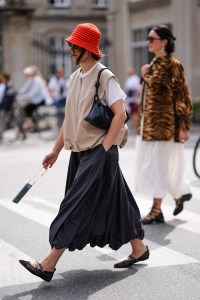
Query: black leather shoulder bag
x=100, y=115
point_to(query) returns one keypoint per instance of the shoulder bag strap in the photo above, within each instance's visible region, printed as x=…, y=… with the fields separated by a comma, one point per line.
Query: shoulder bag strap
x=97, y=84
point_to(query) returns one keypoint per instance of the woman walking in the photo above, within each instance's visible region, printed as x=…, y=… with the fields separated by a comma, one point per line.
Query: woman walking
x=163, y=127
x=98, y=207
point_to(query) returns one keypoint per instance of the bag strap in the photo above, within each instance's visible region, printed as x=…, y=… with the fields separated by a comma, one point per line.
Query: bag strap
x=97, y=84
x=37, y=175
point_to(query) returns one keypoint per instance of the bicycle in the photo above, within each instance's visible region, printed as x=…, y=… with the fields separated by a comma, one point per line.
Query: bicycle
x=12, y=118
x=196, y=158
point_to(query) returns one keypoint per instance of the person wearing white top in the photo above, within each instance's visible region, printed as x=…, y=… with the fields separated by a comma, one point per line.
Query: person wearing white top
x=33, y=91
x=132, y=88
x=2, y=89
x=58, y=85
x=98, y=207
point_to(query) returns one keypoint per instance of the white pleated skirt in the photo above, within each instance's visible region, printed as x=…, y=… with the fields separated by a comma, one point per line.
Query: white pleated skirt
x=159, y=169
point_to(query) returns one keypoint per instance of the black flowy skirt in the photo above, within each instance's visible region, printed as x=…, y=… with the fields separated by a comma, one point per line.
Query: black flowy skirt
x=98, y=207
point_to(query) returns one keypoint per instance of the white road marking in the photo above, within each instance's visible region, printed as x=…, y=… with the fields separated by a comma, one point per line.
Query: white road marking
x=29, y=212
x=104, y=250
x=44, y=202
x=12, y=273
x=186, y=220
x=160, y=256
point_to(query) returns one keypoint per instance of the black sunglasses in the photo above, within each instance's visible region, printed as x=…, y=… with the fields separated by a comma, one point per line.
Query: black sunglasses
x=73, y=46
x=151, y=39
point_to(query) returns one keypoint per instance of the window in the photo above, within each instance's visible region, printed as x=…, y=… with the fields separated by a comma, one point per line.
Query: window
x=99, y=3
x=60, y=3
x=139, y=48
x=51, y=53
x=59, y=55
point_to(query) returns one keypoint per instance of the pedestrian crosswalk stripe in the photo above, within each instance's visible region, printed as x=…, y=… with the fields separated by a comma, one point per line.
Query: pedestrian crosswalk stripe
x=160, y=255
x=104, y=250
x=11, y=271
x=186, y=220
x=32, y=213
x=47, y=203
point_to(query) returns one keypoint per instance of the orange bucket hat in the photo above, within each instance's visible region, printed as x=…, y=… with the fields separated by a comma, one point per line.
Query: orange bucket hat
x=86, y=36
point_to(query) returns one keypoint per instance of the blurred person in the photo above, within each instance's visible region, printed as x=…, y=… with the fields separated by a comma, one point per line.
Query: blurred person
x=132, y=88
x=33, y=91
x=7, y=109
x=58, y=85
x=163, y=127
x=98, y=207
x=2, y=88
x=2, y=114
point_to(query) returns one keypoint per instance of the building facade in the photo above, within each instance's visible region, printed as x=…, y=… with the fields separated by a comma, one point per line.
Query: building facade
x=34, y=32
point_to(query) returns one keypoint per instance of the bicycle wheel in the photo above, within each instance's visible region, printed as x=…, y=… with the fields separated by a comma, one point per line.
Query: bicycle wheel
x=196, y=158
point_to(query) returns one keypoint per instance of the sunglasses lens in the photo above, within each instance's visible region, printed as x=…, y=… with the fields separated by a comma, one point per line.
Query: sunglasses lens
x=73, y=46
x=150, y=39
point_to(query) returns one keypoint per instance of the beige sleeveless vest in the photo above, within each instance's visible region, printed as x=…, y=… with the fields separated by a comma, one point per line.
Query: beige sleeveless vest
x=79, y=135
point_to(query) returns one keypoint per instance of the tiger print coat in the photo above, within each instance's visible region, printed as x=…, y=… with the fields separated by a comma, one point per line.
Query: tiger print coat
x=165, y=101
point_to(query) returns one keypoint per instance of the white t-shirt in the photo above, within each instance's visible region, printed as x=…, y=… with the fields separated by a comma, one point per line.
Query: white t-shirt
x=113, y=91
x=132, y=83
x=58, y=87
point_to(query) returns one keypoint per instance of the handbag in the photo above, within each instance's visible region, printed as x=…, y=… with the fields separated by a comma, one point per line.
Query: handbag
x=101, y=115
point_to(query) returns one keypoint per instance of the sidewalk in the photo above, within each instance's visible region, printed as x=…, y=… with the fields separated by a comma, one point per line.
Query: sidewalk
x=49, y=136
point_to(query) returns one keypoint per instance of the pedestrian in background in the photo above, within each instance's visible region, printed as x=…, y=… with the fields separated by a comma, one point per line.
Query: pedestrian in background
x=33, y=94
x=9, y=114
x=132, y=88
x=3, y=107
x=2, y=88
x=58, y=85
x=163, y=127
x=98, y=207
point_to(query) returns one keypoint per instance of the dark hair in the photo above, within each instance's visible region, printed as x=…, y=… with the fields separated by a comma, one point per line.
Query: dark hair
x=6, y=76
x=165, y=33
x=82, y=51
x=97, y=57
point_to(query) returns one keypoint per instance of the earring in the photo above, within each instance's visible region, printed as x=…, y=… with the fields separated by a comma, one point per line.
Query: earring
x=162, y=49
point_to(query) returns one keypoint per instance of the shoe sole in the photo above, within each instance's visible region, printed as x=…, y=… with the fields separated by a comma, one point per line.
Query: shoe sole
x=154, y=222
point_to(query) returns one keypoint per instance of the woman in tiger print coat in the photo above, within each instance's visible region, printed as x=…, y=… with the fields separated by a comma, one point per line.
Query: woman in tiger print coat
x=163, y=127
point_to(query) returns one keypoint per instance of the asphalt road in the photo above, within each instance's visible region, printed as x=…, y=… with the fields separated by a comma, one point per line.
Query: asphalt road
x=172, y=272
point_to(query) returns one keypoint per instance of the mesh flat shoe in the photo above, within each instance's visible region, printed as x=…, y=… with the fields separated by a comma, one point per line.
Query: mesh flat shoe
x=130, y=260
x=37, y=271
